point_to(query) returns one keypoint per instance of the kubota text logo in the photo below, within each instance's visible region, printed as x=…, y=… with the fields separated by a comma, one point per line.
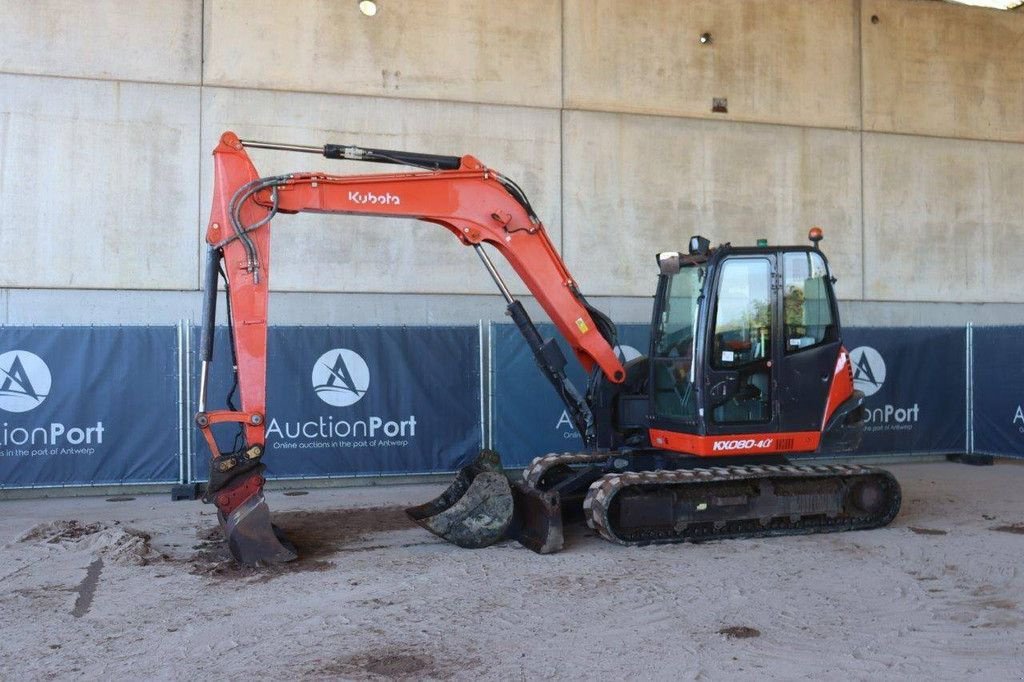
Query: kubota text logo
x=341, y=377
x=386, y=199
x=743, y=444
x=868, y=369
x=24, y=381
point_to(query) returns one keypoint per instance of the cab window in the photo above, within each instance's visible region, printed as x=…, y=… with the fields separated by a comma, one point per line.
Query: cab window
x=742, y=340
x=673, y=361
x=807, y=304
x=743, y=321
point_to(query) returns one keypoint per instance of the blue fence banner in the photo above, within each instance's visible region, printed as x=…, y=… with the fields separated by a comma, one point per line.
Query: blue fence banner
x=101, y=405
x=528, y=418
x=345, y=401
x=998, y=375
x=915, y=380
x=88, y=405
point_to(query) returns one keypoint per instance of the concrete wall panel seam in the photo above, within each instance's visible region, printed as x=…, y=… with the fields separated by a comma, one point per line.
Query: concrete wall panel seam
x=105, y=307
x=735, y=121
x=409, y=100
x=860, y=110
x=139, y=81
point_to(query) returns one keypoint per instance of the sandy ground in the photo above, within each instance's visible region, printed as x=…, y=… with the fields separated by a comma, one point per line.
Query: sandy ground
x=141, y=589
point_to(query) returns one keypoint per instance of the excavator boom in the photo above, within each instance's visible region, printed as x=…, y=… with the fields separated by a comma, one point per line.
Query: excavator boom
x=474, y=203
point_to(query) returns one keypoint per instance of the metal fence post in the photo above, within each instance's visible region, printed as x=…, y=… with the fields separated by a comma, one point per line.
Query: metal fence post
x=969, y=456
x=970, y=388
x=187, y=488
x=181, y=406
x=490, y=386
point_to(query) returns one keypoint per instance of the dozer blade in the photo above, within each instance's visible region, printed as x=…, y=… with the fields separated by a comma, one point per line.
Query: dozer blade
x=476, y=509
x=252, y=539
x=537, y=523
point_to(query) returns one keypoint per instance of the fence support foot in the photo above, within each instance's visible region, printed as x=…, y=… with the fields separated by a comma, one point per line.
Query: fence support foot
x=186, y=491
x=973, y=460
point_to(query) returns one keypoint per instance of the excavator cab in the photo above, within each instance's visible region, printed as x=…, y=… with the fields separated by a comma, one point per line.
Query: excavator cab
x=745, y=342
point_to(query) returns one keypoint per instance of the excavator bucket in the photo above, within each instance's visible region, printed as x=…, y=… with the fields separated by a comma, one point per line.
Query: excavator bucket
x=252, y=539
x=477, y=508
x=480, y=508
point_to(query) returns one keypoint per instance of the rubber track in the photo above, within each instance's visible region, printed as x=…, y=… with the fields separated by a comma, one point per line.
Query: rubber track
x=604, y=490
x=533, y=474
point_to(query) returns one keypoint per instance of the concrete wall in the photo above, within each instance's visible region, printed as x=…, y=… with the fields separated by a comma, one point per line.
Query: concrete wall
x=897, y=125
x=792, y=62
x=660, y=179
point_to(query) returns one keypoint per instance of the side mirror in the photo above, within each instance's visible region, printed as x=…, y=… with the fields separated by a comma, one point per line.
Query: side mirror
x=668, y=263
x=699, y=246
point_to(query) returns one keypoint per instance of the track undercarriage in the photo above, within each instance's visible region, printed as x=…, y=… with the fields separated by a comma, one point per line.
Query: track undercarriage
x=647, y=497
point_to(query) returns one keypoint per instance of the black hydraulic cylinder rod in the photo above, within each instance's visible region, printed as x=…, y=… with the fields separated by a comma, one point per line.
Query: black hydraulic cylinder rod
x=353, y=153
x=436, y=161
x=552, y=363
x=213, y=257
x=526, y=327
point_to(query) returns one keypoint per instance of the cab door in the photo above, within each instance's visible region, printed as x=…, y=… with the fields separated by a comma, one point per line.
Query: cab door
x=810, y=340
x=740, y=372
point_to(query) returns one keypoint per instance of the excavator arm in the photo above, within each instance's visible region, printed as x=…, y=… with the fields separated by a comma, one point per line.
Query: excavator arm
x=476, y=204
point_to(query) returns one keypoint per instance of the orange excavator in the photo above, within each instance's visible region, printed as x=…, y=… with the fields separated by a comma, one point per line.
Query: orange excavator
x=697, y=440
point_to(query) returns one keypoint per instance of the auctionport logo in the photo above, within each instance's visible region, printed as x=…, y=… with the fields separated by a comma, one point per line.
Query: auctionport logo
x=24, y=381
x=868, y=376
x=868, y=369
x=341, y=377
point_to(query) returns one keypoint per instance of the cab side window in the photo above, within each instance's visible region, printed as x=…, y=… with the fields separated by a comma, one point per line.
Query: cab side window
x=807, y=305
x=674, y=388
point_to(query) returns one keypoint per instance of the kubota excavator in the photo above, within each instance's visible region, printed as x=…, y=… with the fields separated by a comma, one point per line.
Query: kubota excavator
x=746, y=367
